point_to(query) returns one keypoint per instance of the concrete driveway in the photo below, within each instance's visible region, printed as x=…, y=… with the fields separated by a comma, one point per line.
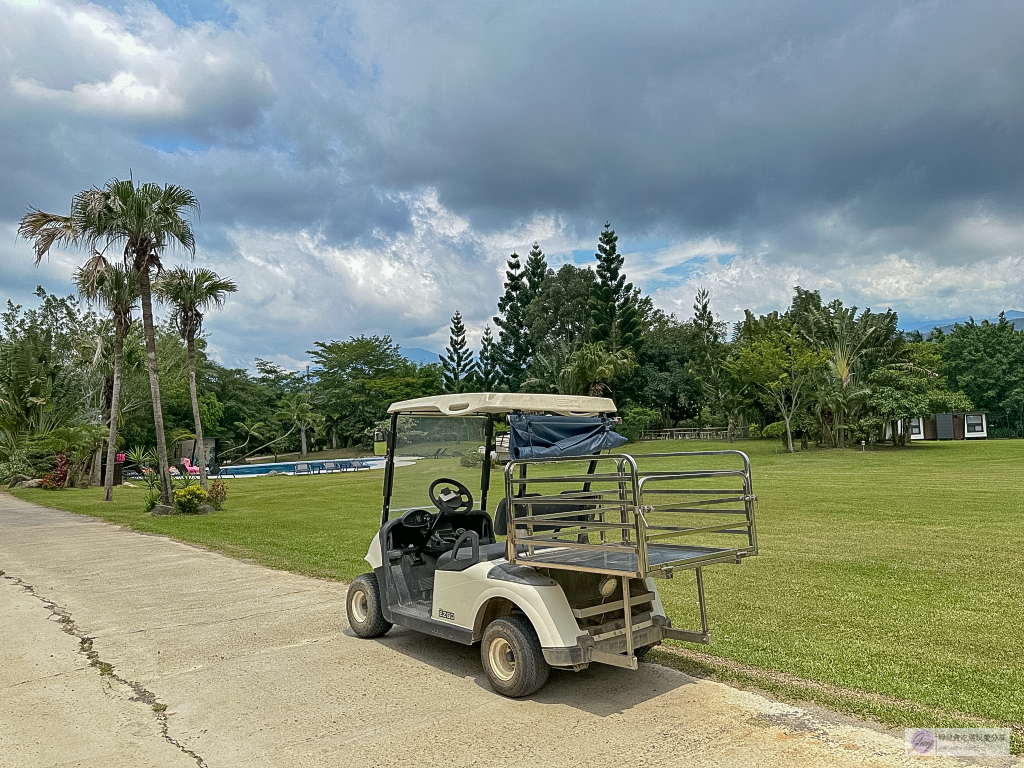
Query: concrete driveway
x=120, y=648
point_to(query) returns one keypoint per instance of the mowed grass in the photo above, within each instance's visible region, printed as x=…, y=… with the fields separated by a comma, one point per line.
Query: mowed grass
x=895, y=572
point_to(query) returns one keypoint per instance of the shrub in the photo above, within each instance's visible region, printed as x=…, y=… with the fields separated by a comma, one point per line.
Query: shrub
x=17, y=464
x=636, y=421
x=152, y=499
x=471, y=459
x=54, y=481
x=474, y=459
x=183, y=480
x=775, y=429
x=188, y=500
x=218, y=493
x=48, y=482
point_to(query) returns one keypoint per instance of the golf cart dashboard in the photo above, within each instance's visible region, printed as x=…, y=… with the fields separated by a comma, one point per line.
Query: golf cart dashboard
x=417, y=518
x=409, y=532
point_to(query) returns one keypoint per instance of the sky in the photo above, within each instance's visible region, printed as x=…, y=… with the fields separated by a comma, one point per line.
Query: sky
x=366, y=168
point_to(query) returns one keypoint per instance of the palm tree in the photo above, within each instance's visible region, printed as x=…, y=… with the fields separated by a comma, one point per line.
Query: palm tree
x=297, y=410
x=144, y=220
x=592, y=367
x=116, y=289
x=191, y=293
x=250, y=429
x=853, y=345
x=549, y=367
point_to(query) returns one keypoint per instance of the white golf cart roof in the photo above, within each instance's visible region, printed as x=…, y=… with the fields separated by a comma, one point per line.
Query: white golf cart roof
x=503, y=402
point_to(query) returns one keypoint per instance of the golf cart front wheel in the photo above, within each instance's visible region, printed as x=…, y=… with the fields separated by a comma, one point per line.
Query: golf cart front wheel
x=363, y=606
x=512, y=657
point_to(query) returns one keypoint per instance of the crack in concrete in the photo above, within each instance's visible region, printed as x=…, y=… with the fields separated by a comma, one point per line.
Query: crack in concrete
x=85, y=647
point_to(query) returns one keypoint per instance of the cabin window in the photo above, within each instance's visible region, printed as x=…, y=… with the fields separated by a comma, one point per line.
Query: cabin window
x=915, y=427
x=975, y=422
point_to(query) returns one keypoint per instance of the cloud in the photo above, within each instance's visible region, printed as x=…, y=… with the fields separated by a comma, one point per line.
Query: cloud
x=298, y=285
x=918, y=287
x=139, y=68
x=367, y=167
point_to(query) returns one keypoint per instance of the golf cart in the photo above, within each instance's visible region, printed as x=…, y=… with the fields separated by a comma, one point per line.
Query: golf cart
x=586, y=534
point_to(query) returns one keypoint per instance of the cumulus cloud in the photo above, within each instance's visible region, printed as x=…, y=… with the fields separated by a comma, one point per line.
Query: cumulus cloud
x=89, y=62
x=367, y=167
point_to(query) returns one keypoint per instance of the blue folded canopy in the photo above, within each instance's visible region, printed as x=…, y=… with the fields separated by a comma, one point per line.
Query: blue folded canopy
x=544, y=437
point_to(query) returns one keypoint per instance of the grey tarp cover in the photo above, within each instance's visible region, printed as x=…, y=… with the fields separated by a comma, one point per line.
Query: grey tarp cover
x=543, y=437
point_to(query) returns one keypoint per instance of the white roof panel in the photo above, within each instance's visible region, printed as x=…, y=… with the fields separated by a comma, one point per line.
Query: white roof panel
x=503, y=402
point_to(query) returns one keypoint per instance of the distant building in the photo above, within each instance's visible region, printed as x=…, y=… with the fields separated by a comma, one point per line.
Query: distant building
x=972, y=425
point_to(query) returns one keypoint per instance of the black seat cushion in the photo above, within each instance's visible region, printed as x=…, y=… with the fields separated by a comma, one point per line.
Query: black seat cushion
x=487, y=552
x=501, y=512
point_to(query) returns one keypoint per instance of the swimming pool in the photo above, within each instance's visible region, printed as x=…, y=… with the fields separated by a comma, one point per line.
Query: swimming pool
x=316, y=466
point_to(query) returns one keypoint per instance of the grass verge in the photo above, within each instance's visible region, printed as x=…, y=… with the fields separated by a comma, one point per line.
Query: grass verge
x=890, y=573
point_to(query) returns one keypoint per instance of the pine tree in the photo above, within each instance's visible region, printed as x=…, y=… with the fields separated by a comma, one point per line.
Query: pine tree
x=487, y=371
x=535, y=272
x=612, y=307
x=457, y=364
x=535, y=276
x=513, y=345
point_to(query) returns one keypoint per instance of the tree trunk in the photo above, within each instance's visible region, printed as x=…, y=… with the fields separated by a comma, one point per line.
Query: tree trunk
x=154, y=385
x=302, y=433
x=115, y=406
x=334, y=440
x=200, y=445
x=97, y=461
x=789, y=432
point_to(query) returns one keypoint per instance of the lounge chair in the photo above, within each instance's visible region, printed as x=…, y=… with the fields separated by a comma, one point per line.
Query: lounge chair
x=331, y=466
x=302, y=468
x=357, y=464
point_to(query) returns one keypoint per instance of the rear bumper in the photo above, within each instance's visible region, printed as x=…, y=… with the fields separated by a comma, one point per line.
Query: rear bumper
x=604, y=651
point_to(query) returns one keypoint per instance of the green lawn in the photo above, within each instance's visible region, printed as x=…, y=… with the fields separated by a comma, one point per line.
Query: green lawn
x=895, y=572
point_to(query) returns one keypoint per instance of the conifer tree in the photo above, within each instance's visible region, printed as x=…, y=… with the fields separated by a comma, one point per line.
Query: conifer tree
x=513, y=345
x=612, y=308
x=487, y=373
x=534, y=304
x=458, y=367
x=534, y=273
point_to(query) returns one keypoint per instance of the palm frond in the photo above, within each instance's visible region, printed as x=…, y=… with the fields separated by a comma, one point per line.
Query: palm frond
x=46, y=230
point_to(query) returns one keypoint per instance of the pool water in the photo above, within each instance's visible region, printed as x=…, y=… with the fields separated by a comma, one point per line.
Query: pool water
x=316, y=466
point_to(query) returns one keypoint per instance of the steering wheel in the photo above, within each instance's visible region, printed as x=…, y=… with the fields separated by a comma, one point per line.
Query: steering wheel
x=451, y=499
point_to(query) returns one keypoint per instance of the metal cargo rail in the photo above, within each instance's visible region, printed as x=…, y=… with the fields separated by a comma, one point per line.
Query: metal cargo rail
x=627, y=520
x=632, y=518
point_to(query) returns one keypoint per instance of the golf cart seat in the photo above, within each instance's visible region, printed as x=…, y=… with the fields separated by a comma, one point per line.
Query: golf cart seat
x=449, y=562
x=501, y=512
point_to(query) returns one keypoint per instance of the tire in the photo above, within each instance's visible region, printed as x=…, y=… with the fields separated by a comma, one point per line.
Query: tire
x=512, y=657
x=363, y=606
x=641, y=652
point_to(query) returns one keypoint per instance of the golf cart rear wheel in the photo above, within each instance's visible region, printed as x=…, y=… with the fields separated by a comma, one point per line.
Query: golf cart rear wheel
x=363, y=607
x=512, y=657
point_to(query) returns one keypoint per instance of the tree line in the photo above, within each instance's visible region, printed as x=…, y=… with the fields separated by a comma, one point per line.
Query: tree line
x=827, y=373
x=78, y=374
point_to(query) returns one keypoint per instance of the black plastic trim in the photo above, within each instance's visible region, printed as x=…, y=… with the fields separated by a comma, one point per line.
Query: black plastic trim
x=432, y=627
x=520, y=574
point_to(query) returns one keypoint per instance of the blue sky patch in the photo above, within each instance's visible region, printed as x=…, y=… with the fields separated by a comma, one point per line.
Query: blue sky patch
x=185, y=13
